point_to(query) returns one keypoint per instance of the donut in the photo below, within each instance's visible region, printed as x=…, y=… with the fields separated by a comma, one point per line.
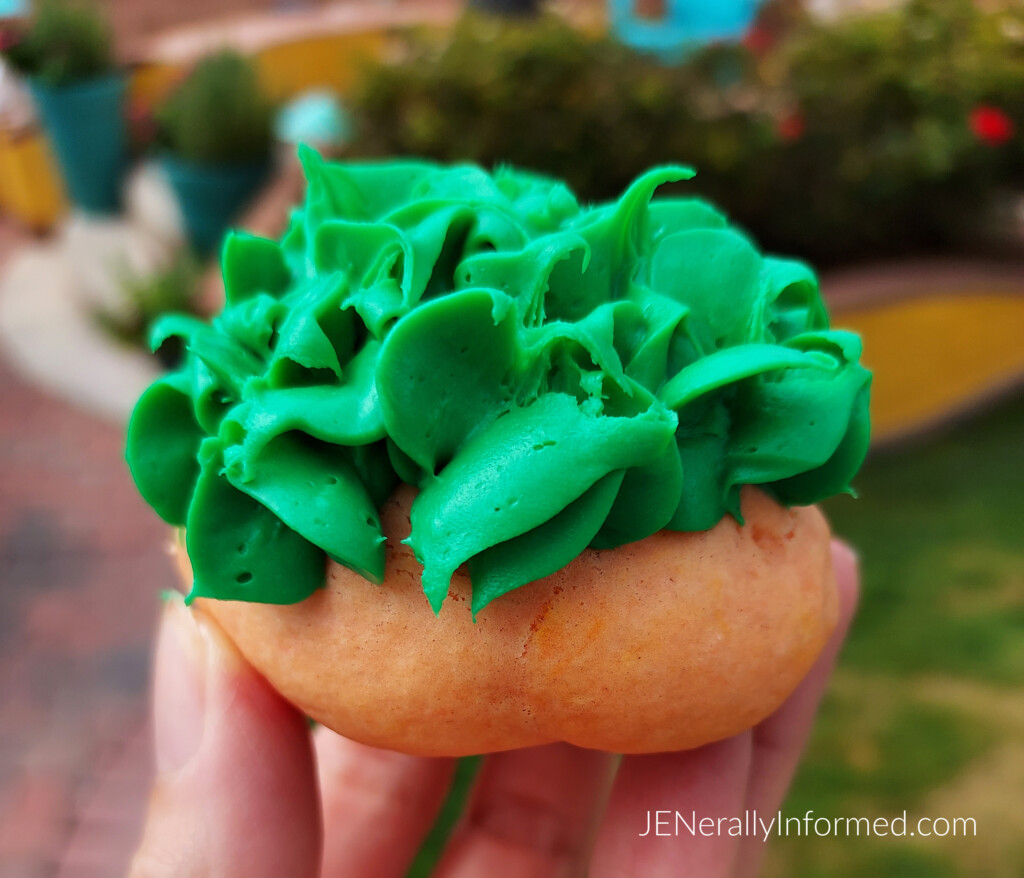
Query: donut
x=464, y=466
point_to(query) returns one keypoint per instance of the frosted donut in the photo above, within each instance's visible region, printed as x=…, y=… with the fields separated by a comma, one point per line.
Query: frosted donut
x=465, y=465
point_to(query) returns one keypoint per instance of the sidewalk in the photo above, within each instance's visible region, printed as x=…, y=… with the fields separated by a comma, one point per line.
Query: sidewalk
x=82, y=563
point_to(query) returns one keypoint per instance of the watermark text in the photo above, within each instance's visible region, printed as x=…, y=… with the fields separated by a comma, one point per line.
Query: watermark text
x=752, y=824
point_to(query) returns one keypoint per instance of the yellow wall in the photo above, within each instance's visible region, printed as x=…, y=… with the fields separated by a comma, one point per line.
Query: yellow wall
x=333, y=60
x=30, y=188
x=286, y=69
x=937, y=355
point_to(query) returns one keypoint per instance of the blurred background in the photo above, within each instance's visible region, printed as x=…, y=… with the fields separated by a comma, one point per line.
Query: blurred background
x=881, y=141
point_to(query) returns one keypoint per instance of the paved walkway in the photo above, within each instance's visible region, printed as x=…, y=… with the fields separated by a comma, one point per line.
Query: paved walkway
x=81, y=565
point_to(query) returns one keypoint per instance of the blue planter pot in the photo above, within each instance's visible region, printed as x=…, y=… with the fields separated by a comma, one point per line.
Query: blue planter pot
x=86, y=126
x=211, y=196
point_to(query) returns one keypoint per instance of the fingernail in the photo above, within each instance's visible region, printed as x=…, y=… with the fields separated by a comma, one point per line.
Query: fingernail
x=180, y=684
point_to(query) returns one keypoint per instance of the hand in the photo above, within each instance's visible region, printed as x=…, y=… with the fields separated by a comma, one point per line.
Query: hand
x=245, y=790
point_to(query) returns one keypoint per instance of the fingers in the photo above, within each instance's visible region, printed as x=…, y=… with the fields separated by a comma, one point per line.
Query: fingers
x=236, y=791
x=531, y=814
x=779, y=740
x=377, y=806
x=709, y=782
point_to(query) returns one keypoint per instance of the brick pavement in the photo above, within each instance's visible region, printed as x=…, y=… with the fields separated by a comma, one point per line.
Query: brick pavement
x=81, y=564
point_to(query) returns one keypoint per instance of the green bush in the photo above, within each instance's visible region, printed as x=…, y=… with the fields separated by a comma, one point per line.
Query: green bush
x=68, y=41
x=146, y=297
x=219, y=114
x=544, y=96
x=889, y=161
x=843, y=142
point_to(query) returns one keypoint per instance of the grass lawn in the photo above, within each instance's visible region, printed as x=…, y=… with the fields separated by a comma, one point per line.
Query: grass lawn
x=926, y=712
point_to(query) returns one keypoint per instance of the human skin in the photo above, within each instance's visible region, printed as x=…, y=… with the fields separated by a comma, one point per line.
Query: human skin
x=244, y=788
x=666, y=644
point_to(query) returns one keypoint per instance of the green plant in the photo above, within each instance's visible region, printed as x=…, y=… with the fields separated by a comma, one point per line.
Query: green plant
x=543, y=95
x=219, y=114
x=877, y=135
x=146, y=297
x=68, y=41
x=888, y=160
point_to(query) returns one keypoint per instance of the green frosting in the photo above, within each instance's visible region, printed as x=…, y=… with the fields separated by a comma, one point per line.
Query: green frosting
x=550, y=377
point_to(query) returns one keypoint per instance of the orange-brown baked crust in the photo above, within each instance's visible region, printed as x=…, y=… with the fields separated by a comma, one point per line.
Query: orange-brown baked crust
x=664, y=644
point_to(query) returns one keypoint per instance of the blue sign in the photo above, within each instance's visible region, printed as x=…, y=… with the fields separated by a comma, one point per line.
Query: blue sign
x=11, y=8
x=671, y=28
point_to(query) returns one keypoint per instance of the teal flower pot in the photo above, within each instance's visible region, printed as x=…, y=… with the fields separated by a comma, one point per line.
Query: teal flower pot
x=86, y=127
x=211, y=196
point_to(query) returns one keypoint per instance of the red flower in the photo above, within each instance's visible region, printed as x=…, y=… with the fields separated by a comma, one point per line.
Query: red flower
x=141, y=123
x=791, y=127
x=9, y=38
x=759, y=39
x=991, y=125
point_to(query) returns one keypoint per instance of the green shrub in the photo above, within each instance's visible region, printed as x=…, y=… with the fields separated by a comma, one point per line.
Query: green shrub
x=146, y=297
x=68, y=41
x=219, y=114
x=888, y=161
x=543, y=95
x=845, y=141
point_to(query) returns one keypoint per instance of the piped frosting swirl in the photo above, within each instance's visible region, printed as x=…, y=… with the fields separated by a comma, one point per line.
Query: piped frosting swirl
x=550, y=376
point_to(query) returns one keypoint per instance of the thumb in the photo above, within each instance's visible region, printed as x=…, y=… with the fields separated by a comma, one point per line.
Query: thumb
x=235, y=792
